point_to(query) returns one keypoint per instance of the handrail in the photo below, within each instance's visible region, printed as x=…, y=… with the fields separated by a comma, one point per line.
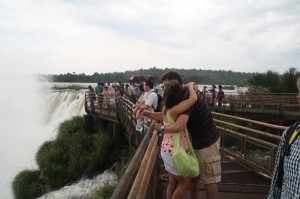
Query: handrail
x=242, y=146
x=149, y=168
x=148, y=157
x=249, y=120
x=249, y=129
x=133, y=167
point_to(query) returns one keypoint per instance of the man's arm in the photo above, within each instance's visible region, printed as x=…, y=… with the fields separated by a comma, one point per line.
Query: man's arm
x=185, y=104
x=144, y=106
x=158, y=116
x=179, y=125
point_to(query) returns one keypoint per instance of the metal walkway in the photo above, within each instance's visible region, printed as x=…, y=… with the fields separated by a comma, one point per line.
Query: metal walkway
x=238, y=182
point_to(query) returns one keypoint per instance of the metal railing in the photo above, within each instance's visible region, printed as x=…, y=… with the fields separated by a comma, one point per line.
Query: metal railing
x=249, y=142
x=280, y=104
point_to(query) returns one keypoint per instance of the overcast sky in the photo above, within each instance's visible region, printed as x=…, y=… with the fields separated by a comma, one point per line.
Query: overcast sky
x=87, y=36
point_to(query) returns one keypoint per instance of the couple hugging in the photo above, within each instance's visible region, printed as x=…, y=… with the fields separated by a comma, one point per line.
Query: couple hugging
x=186, y=109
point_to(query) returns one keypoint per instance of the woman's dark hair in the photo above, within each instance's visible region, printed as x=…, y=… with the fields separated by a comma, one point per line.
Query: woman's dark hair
x=173, y=94
x=171, y=75
x=90, y=88
x=141, y=87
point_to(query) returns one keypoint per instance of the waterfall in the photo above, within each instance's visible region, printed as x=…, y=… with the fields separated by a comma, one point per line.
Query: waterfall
x=58, y=106
x=30, y=115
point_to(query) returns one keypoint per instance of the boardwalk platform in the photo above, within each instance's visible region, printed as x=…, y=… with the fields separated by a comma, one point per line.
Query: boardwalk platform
x=252, y=143
x=238, y=182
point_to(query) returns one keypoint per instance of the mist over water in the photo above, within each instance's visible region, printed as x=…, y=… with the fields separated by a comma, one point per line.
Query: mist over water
x=30, y=114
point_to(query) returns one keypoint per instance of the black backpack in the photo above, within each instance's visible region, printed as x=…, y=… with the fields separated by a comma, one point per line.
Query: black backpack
x=159, y=100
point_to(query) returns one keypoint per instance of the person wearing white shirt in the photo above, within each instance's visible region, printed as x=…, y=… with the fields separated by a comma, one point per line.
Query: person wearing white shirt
x=141, y=99
x=151, y=98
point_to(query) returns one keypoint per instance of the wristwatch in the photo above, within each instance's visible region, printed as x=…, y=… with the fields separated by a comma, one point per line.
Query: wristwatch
x=162, y=128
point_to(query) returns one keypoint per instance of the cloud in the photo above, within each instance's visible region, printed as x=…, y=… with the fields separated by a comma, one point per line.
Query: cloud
x=107, y=36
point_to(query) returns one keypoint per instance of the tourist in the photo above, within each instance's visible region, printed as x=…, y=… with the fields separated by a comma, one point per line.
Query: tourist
x=92, y=96
x=105, y=95
x=174, y=106
x=213, y=95
x=91, y=92
x=151, y=99
x=204, y=91
x=141, y=99
x=286, y=175
x=205, y=140
x=99, y=88
x=220, y=95
x=129, y=93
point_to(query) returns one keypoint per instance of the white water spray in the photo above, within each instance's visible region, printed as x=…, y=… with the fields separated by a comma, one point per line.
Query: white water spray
x=82, y=188
x=29, y=116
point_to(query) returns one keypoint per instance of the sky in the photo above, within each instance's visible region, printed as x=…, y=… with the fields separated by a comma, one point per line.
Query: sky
x=88, y=36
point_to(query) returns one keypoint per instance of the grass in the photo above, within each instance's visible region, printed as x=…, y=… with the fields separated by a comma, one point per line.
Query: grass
x=104, y=192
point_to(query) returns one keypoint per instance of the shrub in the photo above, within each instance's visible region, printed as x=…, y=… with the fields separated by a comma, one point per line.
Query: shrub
x=79, y=149
x=99, y=155
x=70, y=127
x=104, y=192
x=64, y=160
x=27, y=185
x=53, y=159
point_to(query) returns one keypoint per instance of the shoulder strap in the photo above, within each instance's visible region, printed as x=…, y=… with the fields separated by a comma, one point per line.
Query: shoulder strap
x=157, y=101
x=176, y=136
x=290, y=136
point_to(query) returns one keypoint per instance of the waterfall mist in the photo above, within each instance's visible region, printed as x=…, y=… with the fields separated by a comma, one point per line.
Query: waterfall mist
x=30, y=114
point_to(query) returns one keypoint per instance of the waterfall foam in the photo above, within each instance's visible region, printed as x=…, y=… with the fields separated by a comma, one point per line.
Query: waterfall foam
x=82, y=188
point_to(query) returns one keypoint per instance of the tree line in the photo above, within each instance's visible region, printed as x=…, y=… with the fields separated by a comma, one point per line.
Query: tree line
x=196, y=75
x=258, y=83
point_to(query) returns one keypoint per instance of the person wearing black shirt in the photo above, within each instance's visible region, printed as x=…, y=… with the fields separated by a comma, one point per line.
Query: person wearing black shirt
x=205, y=140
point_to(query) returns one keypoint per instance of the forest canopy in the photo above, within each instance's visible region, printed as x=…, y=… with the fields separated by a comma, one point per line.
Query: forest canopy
x=196, y=75
x=268, y=82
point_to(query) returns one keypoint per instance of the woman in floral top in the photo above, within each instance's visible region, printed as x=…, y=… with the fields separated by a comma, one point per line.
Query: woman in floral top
x=174, y=106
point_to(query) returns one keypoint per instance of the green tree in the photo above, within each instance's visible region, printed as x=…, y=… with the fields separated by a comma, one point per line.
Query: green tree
x=288, y=81
x=268, y=81
x=274, y=83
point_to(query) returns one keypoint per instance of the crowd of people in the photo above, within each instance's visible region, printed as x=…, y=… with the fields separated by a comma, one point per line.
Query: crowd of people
x=132, y=91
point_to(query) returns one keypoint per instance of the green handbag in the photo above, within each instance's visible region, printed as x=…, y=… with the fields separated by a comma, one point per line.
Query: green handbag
x=185, y=162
